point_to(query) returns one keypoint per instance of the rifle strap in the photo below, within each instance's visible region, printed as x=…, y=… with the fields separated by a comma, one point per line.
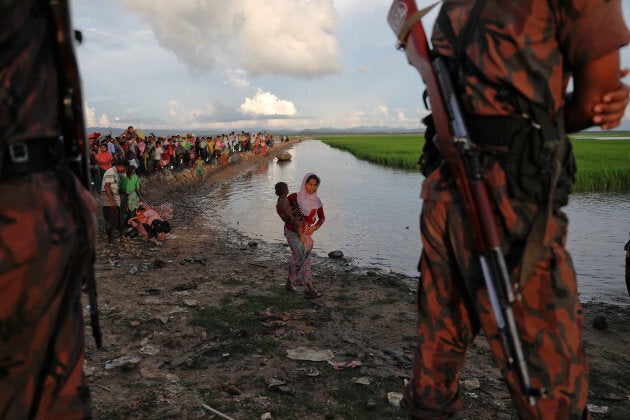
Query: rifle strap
x=460, y=43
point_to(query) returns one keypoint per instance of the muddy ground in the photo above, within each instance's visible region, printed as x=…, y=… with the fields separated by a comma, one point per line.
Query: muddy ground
x=201, y=327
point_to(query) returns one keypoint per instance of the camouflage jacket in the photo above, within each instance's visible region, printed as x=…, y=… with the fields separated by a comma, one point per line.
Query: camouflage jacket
x=531, y=46
x=28, y=76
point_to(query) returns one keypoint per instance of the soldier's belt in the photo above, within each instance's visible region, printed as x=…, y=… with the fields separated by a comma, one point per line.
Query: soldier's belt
x=27, y=157
x=495, y=130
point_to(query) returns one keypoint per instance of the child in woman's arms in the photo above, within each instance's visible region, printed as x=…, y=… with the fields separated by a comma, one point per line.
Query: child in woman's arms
x=285, y=210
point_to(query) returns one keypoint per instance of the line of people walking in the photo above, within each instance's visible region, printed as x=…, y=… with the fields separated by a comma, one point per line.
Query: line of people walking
x=117, y=163
x=148, y=154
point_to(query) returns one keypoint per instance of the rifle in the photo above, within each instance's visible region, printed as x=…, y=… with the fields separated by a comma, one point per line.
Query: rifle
x=73, y=130
x=462, y=158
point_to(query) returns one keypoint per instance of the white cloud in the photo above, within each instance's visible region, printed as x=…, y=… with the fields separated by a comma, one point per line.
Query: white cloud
x=89, y=115
x=91, y=119
x=181, y=115
x=265, y=103
x=382, y=111
x=374, y=117
x=218, y=114
x=103, y=121
x=236, y=78
x=355, y=6
x=401, y=117
x=289, y=37
x=135, y=51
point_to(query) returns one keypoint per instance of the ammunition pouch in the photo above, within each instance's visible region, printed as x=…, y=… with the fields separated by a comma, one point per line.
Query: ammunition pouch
x=529, y=154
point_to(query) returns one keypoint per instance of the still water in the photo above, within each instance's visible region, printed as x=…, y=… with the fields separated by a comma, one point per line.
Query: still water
x=372, y=216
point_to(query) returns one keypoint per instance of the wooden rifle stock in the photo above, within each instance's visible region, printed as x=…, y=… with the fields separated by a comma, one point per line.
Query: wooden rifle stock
x=462, y=158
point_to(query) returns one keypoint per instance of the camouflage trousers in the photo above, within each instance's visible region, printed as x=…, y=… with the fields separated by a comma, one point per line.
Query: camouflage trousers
x=453, y=305
x=44, y=253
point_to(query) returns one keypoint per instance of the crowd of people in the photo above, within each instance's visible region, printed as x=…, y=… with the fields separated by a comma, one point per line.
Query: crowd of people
x=117, y=162
x=512, y=81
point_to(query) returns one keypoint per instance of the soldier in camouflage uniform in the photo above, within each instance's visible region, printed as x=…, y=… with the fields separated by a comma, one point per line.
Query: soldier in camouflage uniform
x=512, y=69
x=47, y=229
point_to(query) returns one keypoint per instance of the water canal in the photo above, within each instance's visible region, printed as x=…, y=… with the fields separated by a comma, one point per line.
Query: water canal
x=372, y=216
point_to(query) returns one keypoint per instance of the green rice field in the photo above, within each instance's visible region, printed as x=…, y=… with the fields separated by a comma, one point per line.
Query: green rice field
x=603, y=159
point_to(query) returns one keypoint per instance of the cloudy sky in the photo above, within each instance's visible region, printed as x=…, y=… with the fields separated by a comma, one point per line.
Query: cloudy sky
x=236, y=64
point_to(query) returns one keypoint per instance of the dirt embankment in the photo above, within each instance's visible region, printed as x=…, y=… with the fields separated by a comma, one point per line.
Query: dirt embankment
x=201, y=324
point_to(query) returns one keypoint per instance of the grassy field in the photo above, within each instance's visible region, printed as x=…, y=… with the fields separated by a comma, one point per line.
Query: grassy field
x=603, y=159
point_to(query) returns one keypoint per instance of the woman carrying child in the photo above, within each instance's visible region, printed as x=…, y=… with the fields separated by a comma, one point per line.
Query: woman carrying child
x=303, y=214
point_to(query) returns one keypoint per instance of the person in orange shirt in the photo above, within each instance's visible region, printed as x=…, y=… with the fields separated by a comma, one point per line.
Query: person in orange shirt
x=104, y=161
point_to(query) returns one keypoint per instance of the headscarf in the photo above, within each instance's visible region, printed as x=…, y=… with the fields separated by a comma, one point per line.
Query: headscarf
x=306, y=201
x=141, y=146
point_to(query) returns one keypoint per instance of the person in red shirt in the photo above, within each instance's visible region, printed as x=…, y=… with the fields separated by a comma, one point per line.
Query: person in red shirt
x=104, y=161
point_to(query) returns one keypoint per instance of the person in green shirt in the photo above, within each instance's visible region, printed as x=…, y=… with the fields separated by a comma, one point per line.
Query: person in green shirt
x=130, y=185
x=199, y=168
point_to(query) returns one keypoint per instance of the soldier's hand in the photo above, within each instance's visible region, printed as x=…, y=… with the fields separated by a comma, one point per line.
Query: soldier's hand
x=609, y=112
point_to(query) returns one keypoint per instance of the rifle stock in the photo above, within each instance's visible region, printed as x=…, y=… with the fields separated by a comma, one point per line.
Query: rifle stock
x=462, y=158
x=73, y=129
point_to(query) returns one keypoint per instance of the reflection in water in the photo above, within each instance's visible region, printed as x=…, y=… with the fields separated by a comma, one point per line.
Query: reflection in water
x=597, y=234
x=262, y=169
x=372, y=216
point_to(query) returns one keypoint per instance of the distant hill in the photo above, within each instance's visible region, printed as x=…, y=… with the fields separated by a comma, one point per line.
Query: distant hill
x=360, y=130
